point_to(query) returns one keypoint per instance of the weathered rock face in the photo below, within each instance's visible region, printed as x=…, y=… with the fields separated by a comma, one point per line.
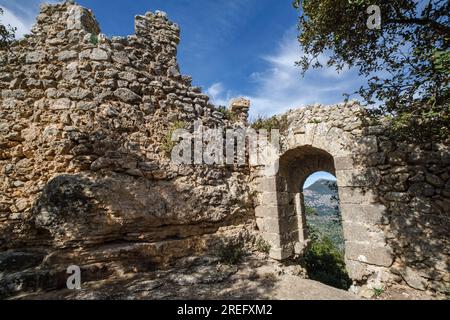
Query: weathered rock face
x=84, y=121
x=394, y=197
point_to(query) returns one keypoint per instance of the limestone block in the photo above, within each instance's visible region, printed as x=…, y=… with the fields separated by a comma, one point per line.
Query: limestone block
x=274, y=198
x=354, y=231
x=67, y=55
x=80, y=18
x=343, y=163
x=356, y=270
x=356, y=195
x=281, y=253
x=299, y=247
x=369, y=253
x=60, y=104
x=266, y=211
x=98, y=54
x=413, y=279
x=371, y=214
x=366, y=145
x=272, y=238
x=358, y=178
x=35, y=57
x=268, y=225
x=270, y=184
x=319, y=139
x=127, y=95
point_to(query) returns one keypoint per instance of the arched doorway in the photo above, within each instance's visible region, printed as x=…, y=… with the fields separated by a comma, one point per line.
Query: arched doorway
x=281, y=213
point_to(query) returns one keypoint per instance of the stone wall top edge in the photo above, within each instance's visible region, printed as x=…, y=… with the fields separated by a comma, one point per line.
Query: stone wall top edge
x=84, y=18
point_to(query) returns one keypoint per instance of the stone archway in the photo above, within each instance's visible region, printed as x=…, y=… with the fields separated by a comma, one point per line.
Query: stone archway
x=281, y=212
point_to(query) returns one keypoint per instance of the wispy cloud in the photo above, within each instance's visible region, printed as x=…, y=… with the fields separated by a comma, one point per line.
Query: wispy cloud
x=280, y=85
x=22, y=26
x=21, y=14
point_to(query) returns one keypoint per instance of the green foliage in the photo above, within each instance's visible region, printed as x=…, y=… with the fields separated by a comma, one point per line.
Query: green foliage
x=324, y=261
x=310, y=211
x=262, y=245
x=406, y=62
x=227, y=114
x=431, y=122
x=231, y=251
x=441, y=60
x=94, y=39
x=377, y=292
x=269, y=123
x=168, y=144
x=7, y=34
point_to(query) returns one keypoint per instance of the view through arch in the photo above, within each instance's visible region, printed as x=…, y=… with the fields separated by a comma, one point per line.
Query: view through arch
x=325, y=252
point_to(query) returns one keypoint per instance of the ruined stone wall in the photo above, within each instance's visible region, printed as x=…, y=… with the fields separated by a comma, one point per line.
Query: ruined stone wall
x=394, y=195
x=86, y=177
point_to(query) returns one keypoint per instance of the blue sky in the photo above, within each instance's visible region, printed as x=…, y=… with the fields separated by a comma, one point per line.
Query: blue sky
x=230, y=48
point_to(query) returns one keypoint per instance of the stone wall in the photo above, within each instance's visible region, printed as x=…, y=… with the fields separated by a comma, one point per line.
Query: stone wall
x=394, y=195
x=86, y=177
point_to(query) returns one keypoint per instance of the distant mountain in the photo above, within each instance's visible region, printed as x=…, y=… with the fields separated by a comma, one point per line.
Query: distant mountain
x=322, y=195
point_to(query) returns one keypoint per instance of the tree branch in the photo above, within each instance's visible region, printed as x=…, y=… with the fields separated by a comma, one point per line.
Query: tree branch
x=441, y=28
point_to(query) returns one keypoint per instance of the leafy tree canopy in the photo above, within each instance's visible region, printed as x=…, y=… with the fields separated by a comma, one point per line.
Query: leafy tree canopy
x=7, y=33
x=406, y=61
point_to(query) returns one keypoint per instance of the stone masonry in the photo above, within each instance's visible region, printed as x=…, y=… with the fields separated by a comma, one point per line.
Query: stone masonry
x=394, y=196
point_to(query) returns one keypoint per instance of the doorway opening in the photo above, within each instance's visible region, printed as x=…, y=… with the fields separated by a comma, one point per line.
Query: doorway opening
x=324, y=256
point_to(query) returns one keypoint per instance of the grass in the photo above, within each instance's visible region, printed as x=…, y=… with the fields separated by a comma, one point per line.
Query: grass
x=377, y=292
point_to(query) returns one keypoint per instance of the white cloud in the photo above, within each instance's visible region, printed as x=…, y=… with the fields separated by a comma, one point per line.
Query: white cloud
x=215, y=90
x=280, y=86
x=218, y=94
x=23, y=25
x=21, y=16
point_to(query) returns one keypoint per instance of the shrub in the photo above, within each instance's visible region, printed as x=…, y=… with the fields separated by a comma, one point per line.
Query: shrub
x=168, y=144
x=94, y=39
x=262, y=245
x=227, y=114
x=324, y=261
x=310, y=211
x=231, y=252
x=263, y=122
